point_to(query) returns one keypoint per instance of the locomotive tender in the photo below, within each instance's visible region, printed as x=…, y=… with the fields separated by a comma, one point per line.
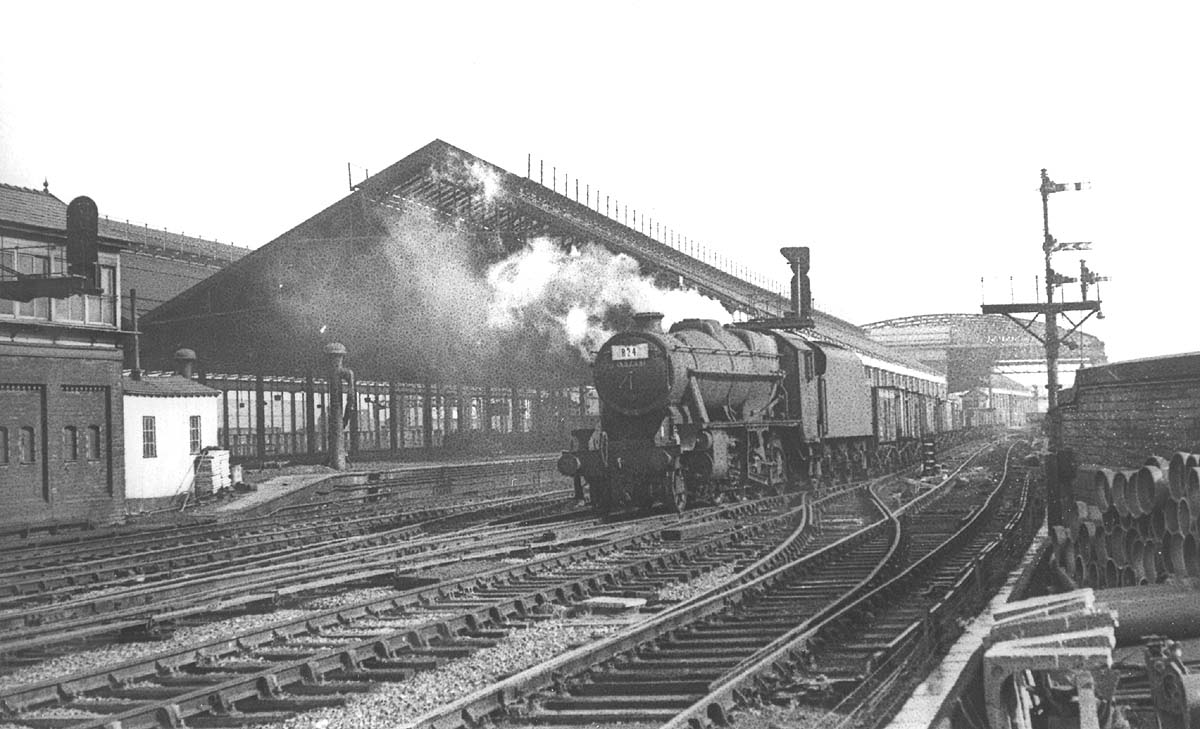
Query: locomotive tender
x=705, y=410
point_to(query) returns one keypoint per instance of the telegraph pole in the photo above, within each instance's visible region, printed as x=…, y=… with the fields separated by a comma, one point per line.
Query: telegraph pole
x=1056, y=492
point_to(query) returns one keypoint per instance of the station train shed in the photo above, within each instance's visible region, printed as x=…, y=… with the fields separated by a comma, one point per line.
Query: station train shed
x=394, y=270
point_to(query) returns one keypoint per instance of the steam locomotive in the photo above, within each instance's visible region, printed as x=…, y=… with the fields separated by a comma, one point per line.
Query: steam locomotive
x=703, y=410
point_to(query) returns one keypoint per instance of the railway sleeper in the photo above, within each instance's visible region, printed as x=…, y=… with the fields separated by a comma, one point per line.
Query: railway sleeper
x=446, y=651
x=644, y=591
x=485, y=634
x=751, y=623
x=714, y=634
x=625, y=683
x=849, y=665
x=617, y=701
x=103, y=706
x=142, y=693
x=371, y=675
x=223, y=721
x=745, y=640
x=232, y=667
x=289, y=702
x=196, y=679
x=601, y=716
x=676, y=660
x=325, y=688
x=51, y=722
x=401, y=663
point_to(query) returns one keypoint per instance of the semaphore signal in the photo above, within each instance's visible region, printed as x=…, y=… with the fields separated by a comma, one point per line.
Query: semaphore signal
x=1052, y=339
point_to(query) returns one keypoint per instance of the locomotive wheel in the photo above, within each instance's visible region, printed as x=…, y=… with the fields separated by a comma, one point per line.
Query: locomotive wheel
x=677, y=497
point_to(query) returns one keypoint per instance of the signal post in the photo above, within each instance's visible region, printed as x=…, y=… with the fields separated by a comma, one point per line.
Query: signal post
x=1058, y=490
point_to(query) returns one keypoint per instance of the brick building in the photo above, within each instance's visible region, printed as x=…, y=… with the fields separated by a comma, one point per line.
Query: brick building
x=61, y=442
x=1118, y=414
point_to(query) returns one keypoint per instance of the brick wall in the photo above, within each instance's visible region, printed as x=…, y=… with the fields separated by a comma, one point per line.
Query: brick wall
x=60, y=413
x=1118, y=414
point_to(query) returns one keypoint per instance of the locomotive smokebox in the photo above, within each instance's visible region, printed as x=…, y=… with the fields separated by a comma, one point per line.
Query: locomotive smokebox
x=797, y=258
x=648, y=321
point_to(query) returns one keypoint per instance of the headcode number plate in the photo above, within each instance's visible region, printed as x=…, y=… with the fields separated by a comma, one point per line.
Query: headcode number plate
x=625, y=352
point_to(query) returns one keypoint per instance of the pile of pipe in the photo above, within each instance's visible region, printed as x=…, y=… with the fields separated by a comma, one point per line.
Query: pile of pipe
x=1132, y=527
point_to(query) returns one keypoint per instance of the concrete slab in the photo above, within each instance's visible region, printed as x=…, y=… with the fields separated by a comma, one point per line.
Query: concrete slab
x=613, y=604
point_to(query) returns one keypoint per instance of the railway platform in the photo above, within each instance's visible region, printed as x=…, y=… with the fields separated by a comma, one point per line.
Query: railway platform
x=276, y=488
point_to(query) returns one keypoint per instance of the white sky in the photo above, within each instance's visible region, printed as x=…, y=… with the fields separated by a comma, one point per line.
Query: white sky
x=900, y=141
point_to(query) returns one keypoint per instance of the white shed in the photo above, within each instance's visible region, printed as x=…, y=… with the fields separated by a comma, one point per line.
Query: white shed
x=169, y=419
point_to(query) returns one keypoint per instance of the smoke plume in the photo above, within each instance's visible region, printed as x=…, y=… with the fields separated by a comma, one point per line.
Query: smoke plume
x=475, y=176
x=416, y=295
x=578, y=297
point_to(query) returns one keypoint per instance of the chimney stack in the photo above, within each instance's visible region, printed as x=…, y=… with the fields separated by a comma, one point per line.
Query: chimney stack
x=185, y=359
x=648, y=321
x=797, y=258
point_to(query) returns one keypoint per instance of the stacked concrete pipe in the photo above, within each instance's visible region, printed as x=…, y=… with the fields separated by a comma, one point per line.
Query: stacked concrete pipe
x=1133, y=526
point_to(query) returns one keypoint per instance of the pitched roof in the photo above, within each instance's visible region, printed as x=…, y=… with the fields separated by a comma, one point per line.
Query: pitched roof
x=259, y=311
x=40, y=209
x=32, y=207
x=166, y=385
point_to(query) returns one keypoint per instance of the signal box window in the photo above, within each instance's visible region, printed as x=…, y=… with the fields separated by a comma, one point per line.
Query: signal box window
x=28, y=445
x=70, y=438
x=93, y=443
x=3, y=446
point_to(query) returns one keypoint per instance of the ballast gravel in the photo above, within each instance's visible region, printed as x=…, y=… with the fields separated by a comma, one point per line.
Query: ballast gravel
x=65, y=665
x=395, y=704
x=680, y=591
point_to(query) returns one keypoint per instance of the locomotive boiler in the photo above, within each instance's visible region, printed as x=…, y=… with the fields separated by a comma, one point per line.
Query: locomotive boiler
x=704, y=411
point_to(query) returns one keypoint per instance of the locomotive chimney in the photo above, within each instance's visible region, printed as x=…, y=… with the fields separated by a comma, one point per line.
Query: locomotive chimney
x=797, y=258
x=648, y=321
x=185, y=359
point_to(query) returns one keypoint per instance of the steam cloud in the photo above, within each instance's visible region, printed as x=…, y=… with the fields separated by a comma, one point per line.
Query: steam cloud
x=478, y=177
x=451, y=304
x=571, y=296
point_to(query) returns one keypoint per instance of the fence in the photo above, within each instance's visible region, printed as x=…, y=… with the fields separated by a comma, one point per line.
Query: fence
x=269, y=417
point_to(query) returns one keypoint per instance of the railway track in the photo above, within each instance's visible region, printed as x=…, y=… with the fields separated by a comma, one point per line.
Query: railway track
x=694, y=664
x=858, y=664
x=224, y=580
x=32, y=567
x=350, y=648
x=264, y=675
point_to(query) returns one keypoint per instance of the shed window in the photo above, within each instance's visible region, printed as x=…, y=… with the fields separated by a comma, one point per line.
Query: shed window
x=194, y=434
x=149, y=444
x=3, y=446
